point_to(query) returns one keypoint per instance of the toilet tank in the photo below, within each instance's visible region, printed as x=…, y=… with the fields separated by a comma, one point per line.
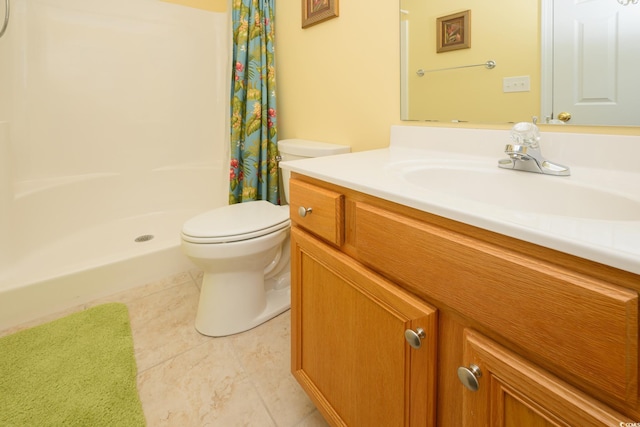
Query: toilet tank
x=295, y=149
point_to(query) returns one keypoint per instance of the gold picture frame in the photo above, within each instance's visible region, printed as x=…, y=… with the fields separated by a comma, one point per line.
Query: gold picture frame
x=453, y=32
x=316, y=11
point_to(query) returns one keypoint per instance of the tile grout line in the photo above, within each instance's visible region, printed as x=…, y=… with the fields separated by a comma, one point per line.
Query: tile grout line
x=236, y=355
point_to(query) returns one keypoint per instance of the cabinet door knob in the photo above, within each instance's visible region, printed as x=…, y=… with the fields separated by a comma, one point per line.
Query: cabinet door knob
x=414, y=338
x=469, y=376
x=302, y=211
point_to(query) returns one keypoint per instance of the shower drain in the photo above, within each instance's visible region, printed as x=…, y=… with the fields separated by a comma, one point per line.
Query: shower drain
x=143, y=238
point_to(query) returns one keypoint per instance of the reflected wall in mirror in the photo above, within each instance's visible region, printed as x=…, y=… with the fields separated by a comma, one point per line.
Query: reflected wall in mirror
x=518, y=37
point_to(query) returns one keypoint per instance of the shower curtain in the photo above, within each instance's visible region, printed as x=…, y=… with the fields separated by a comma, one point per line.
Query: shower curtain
x=254, y=167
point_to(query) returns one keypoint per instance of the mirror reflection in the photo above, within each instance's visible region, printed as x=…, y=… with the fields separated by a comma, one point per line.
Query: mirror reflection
x=555, y=61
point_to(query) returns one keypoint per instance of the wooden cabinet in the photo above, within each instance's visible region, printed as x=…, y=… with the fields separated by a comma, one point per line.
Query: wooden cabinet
x=349, y=347
x=555, y=337
x=511, y=392
x=572, y=323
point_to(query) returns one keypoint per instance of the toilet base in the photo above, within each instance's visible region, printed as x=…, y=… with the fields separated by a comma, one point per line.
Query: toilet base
x=224, y=311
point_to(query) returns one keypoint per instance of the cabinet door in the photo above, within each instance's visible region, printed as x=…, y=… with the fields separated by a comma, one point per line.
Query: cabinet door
x=515, y=393
x=349, y=350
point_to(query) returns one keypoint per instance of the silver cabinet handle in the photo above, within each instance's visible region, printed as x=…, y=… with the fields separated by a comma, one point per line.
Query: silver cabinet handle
x=469, y=376
x=414, y=338
x=302, y=211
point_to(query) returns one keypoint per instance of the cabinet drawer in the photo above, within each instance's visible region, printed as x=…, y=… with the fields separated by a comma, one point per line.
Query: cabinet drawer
x=325, y=211
x=574, y=325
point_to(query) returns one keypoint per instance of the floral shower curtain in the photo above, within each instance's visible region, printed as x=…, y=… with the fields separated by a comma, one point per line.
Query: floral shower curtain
x=254, y=168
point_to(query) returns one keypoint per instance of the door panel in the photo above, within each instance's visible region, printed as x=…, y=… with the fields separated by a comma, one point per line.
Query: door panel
x=513, y=392
x=596, y=62
x=349, y=349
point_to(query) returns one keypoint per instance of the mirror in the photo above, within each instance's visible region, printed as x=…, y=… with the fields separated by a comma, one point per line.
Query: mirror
x=592, y=65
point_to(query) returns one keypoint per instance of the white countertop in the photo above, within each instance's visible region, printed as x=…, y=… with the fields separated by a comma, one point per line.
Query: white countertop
x=592, y=159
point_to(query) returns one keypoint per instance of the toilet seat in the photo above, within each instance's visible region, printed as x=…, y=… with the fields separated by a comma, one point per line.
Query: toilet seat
x=233, y=223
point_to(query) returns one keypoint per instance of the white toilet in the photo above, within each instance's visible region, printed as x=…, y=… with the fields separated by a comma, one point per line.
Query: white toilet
x=243, y=250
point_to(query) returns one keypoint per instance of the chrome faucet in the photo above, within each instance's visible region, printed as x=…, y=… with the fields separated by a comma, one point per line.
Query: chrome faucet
x=525, y=155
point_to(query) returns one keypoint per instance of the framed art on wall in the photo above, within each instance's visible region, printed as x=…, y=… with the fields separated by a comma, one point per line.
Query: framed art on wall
x=316, y=11
x=454, y=32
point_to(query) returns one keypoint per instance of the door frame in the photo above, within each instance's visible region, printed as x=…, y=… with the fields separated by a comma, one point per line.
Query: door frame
x=546, y=60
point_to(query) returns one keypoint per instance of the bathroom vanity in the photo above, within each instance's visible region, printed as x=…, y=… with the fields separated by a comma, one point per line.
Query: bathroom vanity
x=411, y=313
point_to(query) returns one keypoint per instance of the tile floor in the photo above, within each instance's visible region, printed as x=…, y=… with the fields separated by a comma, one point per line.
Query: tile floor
x=186, y=379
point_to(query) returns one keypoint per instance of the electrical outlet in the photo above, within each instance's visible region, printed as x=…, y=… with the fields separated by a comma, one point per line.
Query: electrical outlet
x=516, y=84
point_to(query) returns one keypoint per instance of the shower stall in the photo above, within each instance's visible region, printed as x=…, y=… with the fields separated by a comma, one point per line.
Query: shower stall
x=113, y=132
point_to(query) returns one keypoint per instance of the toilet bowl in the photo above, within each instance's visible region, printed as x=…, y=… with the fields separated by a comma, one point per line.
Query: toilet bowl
x=243, y=250
x=246, y=274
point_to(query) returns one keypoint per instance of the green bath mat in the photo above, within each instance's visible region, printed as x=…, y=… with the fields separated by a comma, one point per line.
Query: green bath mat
x=76, y=371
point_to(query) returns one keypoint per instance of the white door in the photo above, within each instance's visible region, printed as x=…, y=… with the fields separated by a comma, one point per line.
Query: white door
x=596, y=62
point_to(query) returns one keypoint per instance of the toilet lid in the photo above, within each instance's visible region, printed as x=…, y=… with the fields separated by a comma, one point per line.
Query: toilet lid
x=233, y=223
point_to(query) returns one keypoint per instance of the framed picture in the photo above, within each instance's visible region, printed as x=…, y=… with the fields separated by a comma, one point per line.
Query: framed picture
x=316, y=11
x=454, y=32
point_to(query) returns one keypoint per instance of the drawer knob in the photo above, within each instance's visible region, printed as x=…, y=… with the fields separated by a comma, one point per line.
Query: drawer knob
x=302, y=211
x=414, y=338
x=469, y=376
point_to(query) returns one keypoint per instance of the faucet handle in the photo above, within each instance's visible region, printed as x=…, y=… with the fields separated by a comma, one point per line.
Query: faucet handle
x=525, y=133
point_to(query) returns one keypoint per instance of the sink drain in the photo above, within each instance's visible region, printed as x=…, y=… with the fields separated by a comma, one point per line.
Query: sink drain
x=143, y=238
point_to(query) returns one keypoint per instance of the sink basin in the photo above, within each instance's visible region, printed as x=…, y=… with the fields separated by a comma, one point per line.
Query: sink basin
x=521, y=191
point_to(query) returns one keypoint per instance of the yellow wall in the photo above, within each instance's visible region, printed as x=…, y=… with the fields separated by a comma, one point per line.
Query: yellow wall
x=339, y=81
x=212, y=5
